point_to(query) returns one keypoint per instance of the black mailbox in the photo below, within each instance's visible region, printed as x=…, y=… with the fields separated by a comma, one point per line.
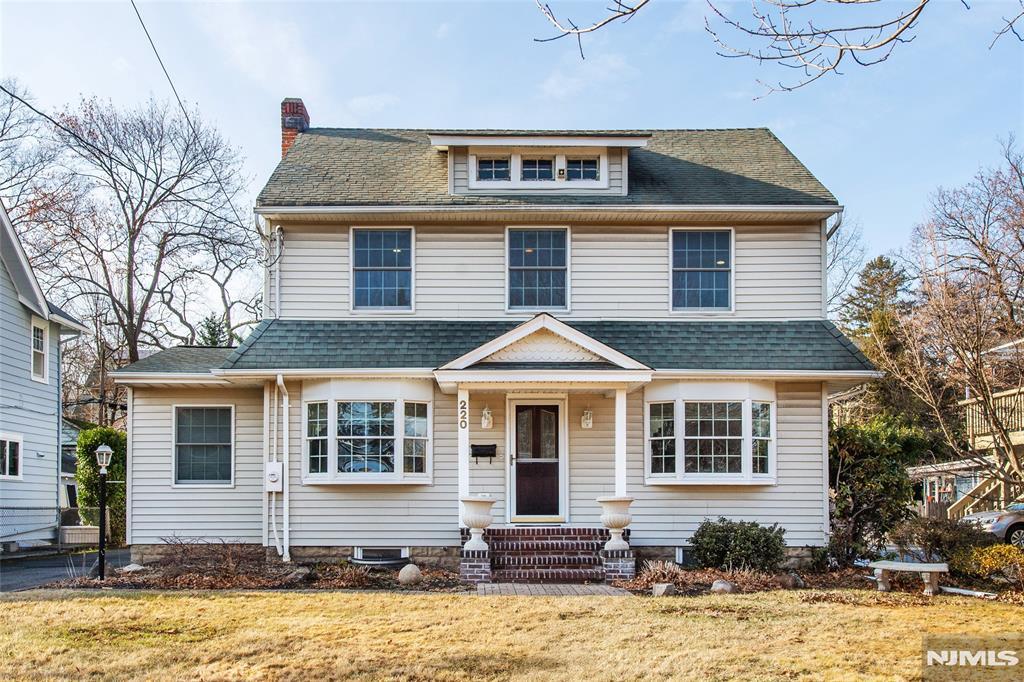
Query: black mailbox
x=490, y=451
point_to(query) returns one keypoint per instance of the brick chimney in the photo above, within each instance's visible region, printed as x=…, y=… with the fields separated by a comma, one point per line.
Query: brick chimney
x=294, y=120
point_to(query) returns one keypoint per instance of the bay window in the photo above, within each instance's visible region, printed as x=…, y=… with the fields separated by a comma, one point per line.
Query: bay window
x=375, y=441
x=709, y=438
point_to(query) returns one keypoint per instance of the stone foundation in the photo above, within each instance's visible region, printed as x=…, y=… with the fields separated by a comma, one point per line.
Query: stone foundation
x=150, y=554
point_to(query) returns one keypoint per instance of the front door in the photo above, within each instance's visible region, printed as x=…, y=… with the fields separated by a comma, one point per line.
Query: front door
x=536, y=463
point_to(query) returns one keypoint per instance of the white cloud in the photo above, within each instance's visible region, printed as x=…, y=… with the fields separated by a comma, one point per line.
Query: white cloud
x=575, y=76
x=443, y=30
x=271, y=53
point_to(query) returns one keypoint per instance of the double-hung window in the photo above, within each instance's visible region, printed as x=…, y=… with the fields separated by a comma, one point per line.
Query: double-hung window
x=695, y=441
x=40, y=341
x=382, y=269
x=10, y=456
x=375, y=440
x=498, y=168
x=582, y=169
x=537, y=269
x=701, y=269
x=203, y=445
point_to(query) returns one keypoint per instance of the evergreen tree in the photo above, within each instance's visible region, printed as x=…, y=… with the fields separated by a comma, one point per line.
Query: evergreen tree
x=212, y=332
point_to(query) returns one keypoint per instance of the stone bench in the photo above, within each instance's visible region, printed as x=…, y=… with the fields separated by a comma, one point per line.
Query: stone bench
x=929, y=573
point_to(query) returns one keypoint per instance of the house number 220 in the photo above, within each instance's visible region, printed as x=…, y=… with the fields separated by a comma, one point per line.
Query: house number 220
x=463, y=414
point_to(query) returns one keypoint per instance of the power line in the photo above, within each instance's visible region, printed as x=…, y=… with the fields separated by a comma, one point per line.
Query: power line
x=184, y=111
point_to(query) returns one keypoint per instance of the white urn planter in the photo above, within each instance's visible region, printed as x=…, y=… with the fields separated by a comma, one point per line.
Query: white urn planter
x=476, y=514
x=615, y=516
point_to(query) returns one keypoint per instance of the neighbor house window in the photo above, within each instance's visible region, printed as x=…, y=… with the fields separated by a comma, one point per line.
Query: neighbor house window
x=582, y=169
x=10, y=456
x=316, y=437
x=701, y=269
x=203, y=443
x=493, y=169
x=761, y=435
x=713, y=438
x=39, y=346
x=382, y=269
x=538, y=169
x=415, y=446
x=377, y=437
x=663, y=438
x=537, y=269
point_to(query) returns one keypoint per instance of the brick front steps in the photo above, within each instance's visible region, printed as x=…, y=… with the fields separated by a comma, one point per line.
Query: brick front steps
x=544, y=554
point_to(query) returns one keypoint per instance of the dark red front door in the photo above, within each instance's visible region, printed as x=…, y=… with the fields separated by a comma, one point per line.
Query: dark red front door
x=536, y=461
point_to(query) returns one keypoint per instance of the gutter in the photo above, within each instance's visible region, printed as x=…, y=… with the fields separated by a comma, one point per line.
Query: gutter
x=286, y=556
x=830, y=209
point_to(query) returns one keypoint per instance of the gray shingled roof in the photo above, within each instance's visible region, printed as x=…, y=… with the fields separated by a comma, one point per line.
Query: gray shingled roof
x=384, y=167
x=181, y=360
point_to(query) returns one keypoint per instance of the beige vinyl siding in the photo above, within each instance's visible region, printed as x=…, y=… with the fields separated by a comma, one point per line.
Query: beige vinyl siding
x=160, y=510
x=487, y=476
x=615, y=272
x=668, y=515
x=415, y=515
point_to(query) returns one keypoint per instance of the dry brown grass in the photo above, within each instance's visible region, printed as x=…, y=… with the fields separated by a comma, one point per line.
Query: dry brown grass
x=336, y=635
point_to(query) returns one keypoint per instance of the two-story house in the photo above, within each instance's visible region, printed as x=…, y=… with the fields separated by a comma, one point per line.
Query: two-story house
x=30, y=399
x=543, y=318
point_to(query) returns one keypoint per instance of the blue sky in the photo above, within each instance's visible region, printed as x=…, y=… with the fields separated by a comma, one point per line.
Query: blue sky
x=881, y=138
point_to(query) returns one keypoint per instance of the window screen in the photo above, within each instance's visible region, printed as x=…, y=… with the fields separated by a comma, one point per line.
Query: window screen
x=202, y=445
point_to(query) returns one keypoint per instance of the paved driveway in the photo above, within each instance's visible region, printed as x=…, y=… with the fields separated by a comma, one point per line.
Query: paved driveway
x=26, y=573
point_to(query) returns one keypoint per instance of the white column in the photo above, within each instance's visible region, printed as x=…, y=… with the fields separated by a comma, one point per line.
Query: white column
x=462, y=426
x=620, y=442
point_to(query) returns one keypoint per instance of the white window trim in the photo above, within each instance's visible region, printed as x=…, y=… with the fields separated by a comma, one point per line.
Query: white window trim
x=20, y=440
x=352, y=272
x=174, y=447
x=39, y=323
x=512, y=400
x=539, y=157
x=680, y=477
x=701, y=312
x=568, y=270
x=397, y=477
x=357, y=551
x=515, y=183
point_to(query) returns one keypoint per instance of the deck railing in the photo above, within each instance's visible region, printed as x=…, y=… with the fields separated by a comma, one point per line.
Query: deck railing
x=1009, y=408
x=989, y=495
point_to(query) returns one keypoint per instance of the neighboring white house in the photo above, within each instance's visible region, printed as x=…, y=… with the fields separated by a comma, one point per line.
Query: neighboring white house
x=30, y=408
x=543, y=317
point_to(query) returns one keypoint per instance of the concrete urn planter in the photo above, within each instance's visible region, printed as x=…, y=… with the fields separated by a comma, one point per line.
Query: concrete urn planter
x=615, y=517
x=476, y=514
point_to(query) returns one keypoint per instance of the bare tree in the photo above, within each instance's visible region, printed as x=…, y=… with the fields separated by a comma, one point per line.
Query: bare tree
x=959, y=338
x=844, y=260
x=812, y=37
x=27, y=156
x=146, y=207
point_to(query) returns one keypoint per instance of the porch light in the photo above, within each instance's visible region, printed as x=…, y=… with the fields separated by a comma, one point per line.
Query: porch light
x=587, y=422
x=486, y=419
x=103, y=455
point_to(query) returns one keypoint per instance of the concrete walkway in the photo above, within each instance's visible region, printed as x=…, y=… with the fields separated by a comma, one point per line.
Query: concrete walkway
x=546, y=590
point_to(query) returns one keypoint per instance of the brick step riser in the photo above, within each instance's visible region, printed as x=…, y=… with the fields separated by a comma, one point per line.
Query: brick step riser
x=548, y=575
x=550, y=547
x=528, y=562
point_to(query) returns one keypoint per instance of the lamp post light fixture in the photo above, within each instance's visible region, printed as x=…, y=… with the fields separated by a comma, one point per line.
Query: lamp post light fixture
x=103, y=455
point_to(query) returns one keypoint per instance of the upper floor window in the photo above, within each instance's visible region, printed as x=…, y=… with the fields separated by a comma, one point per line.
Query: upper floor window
x=40, y=342
x=10, y=456
x=537, y=269
x=538, y=169
x=203, y=445
x=701, y=269
x=382, y=269
x=493, y=169
x=582, y=169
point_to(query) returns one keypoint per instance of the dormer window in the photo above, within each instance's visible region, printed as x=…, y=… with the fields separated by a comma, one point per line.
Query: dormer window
x=538, y=169
x=498, y=168
x=582, y=169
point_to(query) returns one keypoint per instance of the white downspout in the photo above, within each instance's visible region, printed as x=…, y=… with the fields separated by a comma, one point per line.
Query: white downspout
x=273, y=456
x=284, y=477
x=277, y=274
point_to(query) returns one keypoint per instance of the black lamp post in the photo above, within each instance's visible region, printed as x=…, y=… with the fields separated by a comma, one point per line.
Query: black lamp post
x=103, y=454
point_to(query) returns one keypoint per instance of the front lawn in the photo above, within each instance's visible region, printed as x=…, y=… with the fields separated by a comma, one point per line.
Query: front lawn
x=331, y=635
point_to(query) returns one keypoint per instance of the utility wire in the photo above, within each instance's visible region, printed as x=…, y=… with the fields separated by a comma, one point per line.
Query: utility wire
x=184, y=111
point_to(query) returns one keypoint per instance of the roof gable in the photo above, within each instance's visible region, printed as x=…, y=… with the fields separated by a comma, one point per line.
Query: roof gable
x=16, y=261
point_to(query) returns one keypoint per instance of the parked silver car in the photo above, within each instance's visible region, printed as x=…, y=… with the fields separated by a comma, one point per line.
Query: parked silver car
x=1007, y=525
